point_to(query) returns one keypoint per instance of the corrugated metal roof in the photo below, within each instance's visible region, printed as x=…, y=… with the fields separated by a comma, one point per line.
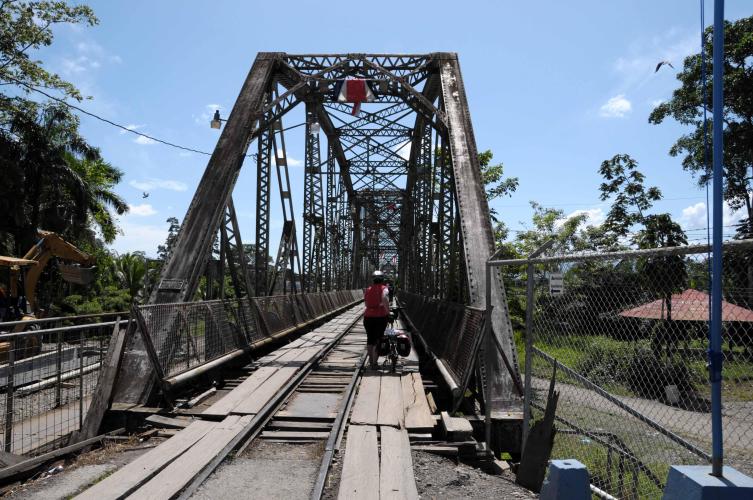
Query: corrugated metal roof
x=690, y=305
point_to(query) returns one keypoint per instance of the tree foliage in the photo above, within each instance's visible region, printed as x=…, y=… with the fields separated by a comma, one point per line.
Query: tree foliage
x=686, y=107
x=26, y=26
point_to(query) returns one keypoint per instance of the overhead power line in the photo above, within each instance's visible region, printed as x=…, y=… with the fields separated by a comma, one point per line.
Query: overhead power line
x=109, y=122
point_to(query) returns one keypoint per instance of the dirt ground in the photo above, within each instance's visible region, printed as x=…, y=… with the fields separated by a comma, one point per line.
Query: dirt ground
x=66, y=478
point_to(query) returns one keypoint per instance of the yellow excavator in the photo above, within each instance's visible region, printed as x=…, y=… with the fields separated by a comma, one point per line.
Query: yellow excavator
x=74, y=265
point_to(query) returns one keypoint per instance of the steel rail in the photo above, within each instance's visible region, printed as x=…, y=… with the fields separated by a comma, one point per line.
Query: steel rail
x=250, y=432
x=335, y=434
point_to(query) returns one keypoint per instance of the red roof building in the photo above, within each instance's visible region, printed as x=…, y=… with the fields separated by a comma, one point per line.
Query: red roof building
x=690, y=305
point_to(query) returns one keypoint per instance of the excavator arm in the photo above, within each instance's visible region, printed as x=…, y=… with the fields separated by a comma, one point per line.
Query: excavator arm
x=49, y=245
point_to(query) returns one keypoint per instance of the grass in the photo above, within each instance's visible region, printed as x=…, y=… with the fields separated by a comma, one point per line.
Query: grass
x=594, y=456
x=579, y=351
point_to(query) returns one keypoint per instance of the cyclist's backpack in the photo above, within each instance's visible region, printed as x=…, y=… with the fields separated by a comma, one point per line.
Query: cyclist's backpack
x=373, y=299
x=403, y=345
x=384, y=346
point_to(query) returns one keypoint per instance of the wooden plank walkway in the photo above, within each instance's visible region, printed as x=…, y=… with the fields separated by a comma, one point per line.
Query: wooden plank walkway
x=166, y=470
x=387, y=406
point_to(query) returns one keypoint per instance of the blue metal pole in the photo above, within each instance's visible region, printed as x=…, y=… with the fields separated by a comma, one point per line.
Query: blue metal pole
x=715, y=337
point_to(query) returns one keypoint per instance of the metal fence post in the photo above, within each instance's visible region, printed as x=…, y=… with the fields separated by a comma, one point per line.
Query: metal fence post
x=59, y=370
x=530, y=299
x=81, y=381
x=9, y=397
x=529, y=358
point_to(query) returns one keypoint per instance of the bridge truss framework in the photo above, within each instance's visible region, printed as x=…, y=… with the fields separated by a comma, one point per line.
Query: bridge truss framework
x=396, y=188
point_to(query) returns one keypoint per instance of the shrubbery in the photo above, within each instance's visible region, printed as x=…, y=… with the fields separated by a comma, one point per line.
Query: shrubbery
x=636, y=366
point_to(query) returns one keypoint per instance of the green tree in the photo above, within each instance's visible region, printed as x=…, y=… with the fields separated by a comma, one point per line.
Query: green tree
x=57, y=181
x=163, y=251
x=131, y=271
x=26, y=26
x=686, y=107
x=496, y=186
x=623, y=182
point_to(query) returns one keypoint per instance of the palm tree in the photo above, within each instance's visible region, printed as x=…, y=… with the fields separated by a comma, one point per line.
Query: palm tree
x=131, y=270
x=61, y=182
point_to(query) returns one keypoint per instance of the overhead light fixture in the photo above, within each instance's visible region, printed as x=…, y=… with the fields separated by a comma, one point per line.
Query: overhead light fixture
x=314, y=128
x=216, y=121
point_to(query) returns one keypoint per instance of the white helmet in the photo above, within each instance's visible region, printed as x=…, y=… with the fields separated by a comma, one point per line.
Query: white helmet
x=377, y=274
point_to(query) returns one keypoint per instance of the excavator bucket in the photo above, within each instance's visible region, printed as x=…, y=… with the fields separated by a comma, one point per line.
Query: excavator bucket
x=74, y=273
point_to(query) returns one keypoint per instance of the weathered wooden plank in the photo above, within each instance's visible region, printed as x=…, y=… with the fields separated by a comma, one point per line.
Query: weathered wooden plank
x=416, y=407
x=127, y=479
x=391, y=401
x=178, y=474
x=258, y=398
x=366, y=407
x=457, y=429
x=103, y=393
x=396, y=479
x=170, y=423
x=224, y=406
x=360, y=474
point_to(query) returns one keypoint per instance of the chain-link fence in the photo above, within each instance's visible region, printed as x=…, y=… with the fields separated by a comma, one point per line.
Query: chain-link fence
x=47, y=378
x=629, y=334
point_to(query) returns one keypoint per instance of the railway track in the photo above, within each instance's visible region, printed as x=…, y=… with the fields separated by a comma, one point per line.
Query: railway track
x=300, y=393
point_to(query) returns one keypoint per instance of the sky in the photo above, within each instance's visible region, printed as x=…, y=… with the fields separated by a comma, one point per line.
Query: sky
x=554, y=89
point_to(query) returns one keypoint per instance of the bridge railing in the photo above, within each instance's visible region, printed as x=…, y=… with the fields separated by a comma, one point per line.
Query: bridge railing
x=190, y=335
x=452, y=332
x=47, y=377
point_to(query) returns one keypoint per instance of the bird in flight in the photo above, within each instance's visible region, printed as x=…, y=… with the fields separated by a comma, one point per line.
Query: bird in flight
x=145, y=194
x=662, y=63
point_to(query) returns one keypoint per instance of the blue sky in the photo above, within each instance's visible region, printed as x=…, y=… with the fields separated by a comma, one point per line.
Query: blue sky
x=554, y=89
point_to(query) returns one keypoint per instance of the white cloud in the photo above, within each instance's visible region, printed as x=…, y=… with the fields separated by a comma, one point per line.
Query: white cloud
x=152, y=183
x=142, y=210
x=616, y=107
x=594, y=217
x=656, y=102
x=694, y=216
x=143, y=140
x=294, y=162
x=132, y=126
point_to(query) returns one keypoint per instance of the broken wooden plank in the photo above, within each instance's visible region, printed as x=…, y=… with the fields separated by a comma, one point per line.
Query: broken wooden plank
x=366, y=407
x=360, y=473
x=179, y=473
x=167, y=422
x=390, y=401
x=416, y=408
x=127, y=479
x=396, y=478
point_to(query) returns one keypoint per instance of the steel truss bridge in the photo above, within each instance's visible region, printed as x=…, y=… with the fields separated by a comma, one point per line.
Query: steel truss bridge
x=397, y=187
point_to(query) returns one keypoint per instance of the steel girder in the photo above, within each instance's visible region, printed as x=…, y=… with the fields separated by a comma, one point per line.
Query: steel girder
x=476, y=229
x=424, y=210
